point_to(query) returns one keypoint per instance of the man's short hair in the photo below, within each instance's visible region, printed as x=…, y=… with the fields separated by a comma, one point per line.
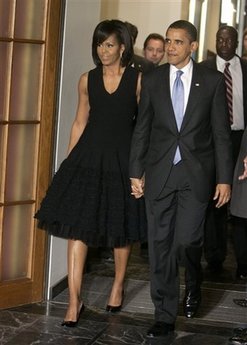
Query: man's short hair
x=153, y=36
x=187, y=26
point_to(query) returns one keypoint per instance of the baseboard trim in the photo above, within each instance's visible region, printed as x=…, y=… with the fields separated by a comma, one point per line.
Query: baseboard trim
x=59, y=287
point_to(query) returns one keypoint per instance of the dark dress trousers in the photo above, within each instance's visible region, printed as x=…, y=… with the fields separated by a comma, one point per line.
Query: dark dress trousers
x=238, y=206
x=177, y=196
x=215, y=244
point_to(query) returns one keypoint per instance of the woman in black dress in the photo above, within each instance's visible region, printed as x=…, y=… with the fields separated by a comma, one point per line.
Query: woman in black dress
x=89, y=201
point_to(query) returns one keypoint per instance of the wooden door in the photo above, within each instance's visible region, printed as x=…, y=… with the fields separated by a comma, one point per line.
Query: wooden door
x=29, y=55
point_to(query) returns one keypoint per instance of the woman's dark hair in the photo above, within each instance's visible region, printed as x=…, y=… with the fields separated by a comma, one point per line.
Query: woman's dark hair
x=115, y=27
x=187, y=26
x=133, y=30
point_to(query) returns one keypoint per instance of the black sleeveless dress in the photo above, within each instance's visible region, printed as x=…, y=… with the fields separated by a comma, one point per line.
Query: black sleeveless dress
x=89, y=198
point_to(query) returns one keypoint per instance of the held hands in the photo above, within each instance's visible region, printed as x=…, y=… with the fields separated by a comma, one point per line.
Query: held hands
x=244, y=175
x=222, y=193
x=137, y=187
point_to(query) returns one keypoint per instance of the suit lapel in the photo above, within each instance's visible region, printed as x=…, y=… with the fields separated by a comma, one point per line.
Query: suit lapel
x=165, y=96
x=194, y=95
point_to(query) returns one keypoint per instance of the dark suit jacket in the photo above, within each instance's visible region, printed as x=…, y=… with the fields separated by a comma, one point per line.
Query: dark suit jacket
x=204, y=137
x=211, y=63
x=239, y=188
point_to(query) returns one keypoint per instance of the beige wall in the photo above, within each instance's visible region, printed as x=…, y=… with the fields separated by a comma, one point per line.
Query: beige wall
x=212, y=26
x=81, y=17
x=148, y=16
x=156, y=15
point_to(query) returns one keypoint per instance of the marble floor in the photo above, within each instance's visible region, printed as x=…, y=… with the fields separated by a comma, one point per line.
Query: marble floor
x=40, y=323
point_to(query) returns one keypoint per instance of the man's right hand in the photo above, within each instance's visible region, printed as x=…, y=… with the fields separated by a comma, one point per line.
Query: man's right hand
x=244, y=174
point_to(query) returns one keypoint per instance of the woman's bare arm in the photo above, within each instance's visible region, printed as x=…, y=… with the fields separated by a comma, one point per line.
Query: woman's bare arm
x=82, y=112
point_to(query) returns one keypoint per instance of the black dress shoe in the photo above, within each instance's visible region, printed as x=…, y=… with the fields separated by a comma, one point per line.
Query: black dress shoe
x=241, y=275
x=160, y=329
x=192, y=302
x=241, y=272
x=215, y=267
x=239, y=337
x=74, y=323
x=241, y=302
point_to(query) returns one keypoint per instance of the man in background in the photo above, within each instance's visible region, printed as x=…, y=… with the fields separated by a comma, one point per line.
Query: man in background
x=235, y=71
x=154, y=48
x=238, y=208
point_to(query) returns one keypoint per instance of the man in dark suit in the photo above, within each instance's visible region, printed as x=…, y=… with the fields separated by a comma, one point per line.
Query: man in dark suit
x=215, y=243
x=239, y=209
x=175, y=162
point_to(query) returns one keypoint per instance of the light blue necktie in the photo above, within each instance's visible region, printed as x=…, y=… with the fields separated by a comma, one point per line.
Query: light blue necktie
x=178, y=107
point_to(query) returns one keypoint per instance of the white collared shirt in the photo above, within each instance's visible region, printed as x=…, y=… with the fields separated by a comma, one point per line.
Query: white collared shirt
x=186, y=78
x=237, y=89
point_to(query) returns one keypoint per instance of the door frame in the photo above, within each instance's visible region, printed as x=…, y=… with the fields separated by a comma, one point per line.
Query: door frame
x=31, y=289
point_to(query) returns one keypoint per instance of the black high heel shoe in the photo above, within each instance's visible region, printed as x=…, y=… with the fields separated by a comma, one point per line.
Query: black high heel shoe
x=74, y=323
x=115, y=309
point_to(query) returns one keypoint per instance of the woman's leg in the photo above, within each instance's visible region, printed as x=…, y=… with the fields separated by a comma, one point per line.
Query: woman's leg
x=77, y=254
x=121, y=256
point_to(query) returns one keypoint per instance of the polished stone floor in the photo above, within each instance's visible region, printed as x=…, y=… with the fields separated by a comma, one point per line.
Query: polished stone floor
x=41, y=323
